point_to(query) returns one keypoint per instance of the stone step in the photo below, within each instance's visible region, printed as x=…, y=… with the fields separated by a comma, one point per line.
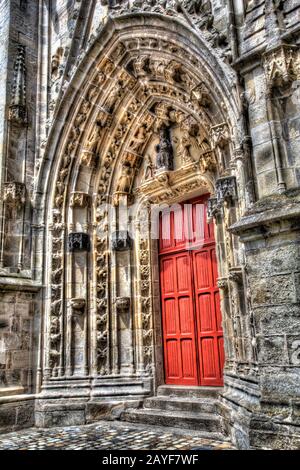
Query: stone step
x=184, y=420
x=189, y=392
x=200, y=405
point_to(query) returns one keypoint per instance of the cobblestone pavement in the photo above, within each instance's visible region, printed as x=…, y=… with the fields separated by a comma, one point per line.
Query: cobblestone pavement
x=106, y=435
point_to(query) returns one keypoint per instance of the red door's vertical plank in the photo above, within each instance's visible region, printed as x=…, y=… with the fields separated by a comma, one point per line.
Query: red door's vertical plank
x=208, y=317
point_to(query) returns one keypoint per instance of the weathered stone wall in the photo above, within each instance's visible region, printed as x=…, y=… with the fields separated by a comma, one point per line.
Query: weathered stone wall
x=19, y=334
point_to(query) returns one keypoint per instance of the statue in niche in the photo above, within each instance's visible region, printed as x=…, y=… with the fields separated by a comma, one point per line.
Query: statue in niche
x=149, y=168
x=124, y=183
x=184, y=149
x=165, y=158
x=138, y=139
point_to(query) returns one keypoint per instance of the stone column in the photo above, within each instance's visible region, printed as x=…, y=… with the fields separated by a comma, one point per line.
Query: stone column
x=122, y=295
x=271, y=235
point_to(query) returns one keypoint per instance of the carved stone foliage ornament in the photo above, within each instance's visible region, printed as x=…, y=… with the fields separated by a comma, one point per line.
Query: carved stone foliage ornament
x=78, y=241
x=214, y=208
x=199, y=13
x=145, y=300
x=14, y=194
x=101, y=256
x=17, y=109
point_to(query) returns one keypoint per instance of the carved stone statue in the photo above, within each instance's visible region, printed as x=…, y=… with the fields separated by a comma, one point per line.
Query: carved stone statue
x=124, y=183
x=149, y=168
x=138, y=139
x=183, y=149
x=164, y=159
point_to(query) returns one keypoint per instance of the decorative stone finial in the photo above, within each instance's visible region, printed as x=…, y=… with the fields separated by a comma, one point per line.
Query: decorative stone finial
x=17, y=108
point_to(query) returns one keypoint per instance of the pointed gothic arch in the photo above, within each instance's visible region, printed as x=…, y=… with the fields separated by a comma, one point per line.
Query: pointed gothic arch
x=129, y=86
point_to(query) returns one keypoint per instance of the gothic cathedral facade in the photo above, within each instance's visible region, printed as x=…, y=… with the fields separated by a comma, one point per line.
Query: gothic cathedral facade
x=150, y=214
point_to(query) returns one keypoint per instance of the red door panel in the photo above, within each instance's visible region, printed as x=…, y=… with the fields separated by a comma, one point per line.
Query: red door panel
x=178, y=319
x=208, y=317
x=192, y=322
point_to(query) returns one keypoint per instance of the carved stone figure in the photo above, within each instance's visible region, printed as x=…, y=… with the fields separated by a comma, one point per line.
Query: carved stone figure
x=183, y=149
x=149, y=168
x=164, y=159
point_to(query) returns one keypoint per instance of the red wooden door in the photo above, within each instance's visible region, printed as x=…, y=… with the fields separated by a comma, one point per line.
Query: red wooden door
x=192, y=331
x=178, y=319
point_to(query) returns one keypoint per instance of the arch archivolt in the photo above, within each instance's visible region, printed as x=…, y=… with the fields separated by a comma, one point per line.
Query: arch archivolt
x=102, y=299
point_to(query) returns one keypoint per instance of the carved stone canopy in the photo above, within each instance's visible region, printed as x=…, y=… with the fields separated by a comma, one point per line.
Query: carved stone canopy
x=14, y=194
x=282, y=65
x=121, y=241
x=226, y=188
x=79, y=241
x=236, y=276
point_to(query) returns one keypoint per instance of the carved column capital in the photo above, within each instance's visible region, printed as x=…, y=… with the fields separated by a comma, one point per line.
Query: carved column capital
x=226, y=192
